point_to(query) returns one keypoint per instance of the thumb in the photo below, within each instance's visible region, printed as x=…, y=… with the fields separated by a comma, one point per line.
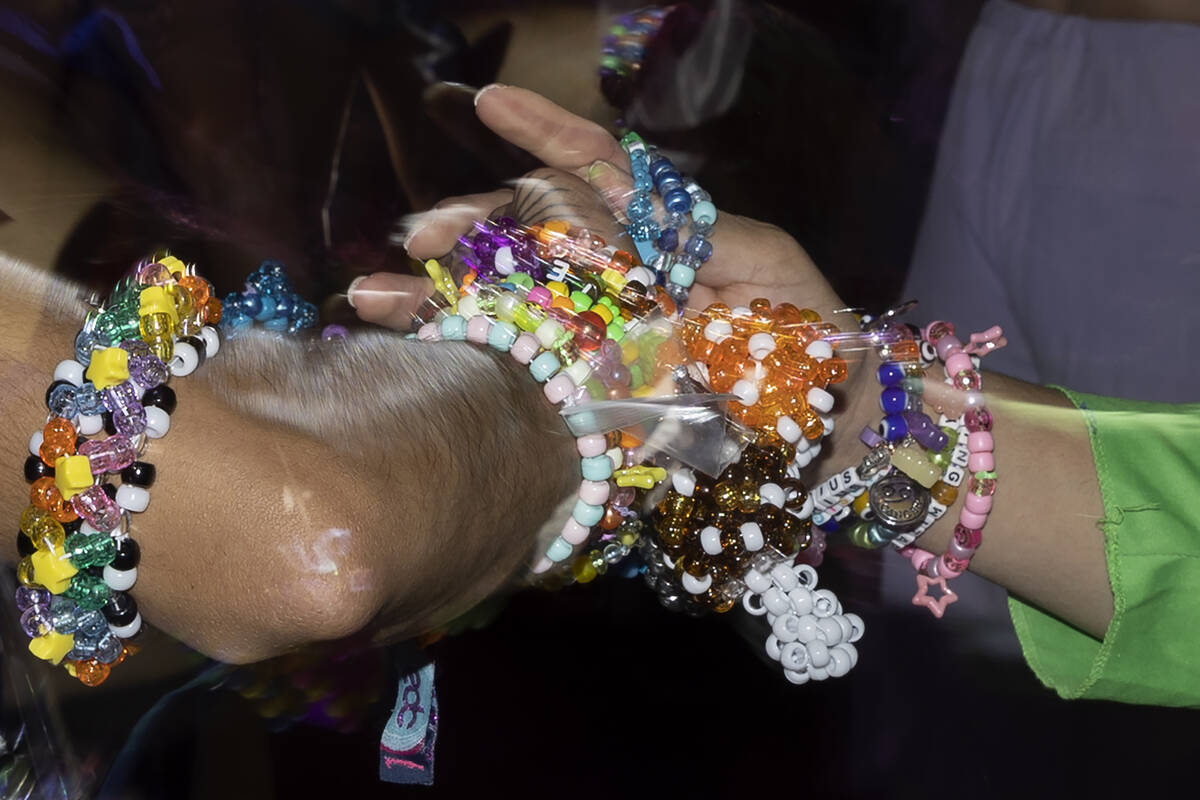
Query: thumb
x=614, y=186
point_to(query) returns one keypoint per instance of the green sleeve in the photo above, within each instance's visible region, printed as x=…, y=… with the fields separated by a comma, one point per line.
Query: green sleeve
x=1148, y=464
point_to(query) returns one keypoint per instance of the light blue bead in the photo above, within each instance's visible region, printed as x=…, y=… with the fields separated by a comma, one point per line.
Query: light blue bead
x=639, y=208
x=683, y=275
x=267, y=309
x=502, y=335
x=559, y=550
x=587, y=514
x=584, y=420
x=704, y=211
x=645, y=250
x=596, y=468
x=545, y=365
x=454, y=328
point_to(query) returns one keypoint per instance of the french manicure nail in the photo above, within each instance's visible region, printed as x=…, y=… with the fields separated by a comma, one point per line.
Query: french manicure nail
x=487, y=88
x=350, y=290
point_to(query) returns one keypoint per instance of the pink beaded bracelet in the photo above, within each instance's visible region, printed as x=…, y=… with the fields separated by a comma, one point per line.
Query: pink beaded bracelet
x=981, y=463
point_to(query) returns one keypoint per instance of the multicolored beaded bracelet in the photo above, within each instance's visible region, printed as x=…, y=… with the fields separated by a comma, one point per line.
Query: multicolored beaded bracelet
x=78, y=558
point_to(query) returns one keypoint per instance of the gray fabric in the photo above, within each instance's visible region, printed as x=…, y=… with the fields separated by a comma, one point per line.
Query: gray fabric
x=1065, y=204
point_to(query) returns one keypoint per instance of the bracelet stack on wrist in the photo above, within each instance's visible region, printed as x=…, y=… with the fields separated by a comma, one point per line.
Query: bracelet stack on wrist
x=79, y=559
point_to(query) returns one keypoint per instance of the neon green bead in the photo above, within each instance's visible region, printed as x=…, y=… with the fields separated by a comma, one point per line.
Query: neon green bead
x=520, y=279
x=582, y=301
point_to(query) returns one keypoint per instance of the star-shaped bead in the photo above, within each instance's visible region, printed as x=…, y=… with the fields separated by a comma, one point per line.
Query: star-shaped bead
x=52, y=570
x=936, y=605
x=52, y=647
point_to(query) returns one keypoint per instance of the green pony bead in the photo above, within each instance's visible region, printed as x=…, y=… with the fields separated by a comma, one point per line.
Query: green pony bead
x=520, y=279
x=616, y=332
x=581, y=300
x=528, y=318
x=88, y=591
x=859, y=535
x=85, y=550
x=941, y=459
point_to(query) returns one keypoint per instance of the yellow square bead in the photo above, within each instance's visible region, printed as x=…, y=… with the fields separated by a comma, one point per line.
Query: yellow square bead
x=614, y=279
x=558, y=288
x=52, y=647
x=155, y=300
x=52, y=570
x=72, y=474
x=109, y=367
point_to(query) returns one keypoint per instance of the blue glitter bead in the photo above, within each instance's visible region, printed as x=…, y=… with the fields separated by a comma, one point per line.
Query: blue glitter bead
x=699, y=247
x=643, y=231
x=284, y=305
x=677, y=201
x=640, y=208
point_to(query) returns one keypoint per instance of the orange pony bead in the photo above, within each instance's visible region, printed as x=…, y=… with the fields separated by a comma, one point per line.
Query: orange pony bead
x=213, y=311
x=44, y=494
x=58, y=439
x=91, y=672
x=199, y=288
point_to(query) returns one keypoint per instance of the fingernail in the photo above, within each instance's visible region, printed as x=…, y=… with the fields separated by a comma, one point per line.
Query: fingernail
x=488, y=88
x=600, y=169
x=350, y=290
x=457, y=85
x=415, y=227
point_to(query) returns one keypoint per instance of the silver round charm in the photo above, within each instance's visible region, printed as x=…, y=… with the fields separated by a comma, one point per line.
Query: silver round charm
x=899, y=502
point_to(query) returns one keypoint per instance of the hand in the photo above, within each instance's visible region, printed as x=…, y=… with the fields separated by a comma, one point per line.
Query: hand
x=750, y=258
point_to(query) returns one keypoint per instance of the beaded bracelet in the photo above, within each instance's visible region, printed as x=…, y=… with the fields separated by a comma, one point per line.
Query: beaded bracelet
x=623, y=49
x=78, y=557
x=961, y=373
x=656, y=242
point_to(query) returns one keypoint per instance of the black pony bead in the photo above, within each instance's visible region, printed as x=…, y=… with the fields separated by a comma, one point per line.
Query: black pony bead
x=25, y=545
x=109, y=490
x=109, y=427
x=72, y=526
x=120, y=609
x=161, y=396
x=139, y=473
x=128, y=554
x=36, y=468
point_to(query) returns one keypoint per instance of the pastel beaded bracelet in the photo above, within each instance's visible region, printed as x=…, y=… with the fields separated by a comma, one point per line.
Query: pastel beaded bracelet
x=78, y=557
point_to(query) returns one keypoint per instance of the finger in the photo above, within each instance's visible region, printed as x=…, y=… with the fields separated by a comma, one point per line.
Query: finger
x=550, y=133
x=388, y=299
x=434, y=232
x=613, y=185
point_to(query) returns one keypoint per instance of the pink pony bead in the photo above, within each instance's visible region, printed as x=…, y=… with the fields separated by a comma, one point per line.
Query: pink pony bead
x=574, y=533
x=980, y=442
x=958, y=551
x=594, y=493
x=540, y=295
x=97, y=509
x=979, y=504
x=948, y=346
x=558, y=388
x=950, y=567
x=981, y=462
x=108, y=455
x=543, y=565
x=477, y=329
x=525, y=348
x=591, y=445
x=971, y=519
x=967, y=538
x=430, y=332
x=958, y=362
